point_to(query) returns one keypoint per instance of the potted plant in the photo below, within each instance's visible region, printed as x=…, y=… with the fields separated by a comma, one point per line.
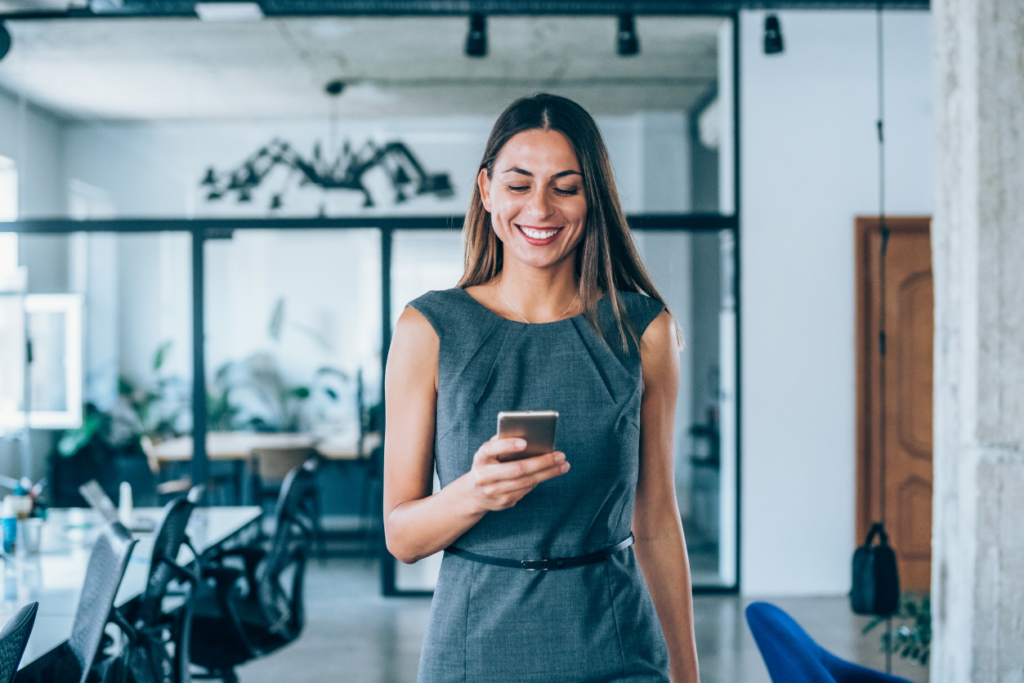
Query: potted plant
x=106, y=447
x=911, y=636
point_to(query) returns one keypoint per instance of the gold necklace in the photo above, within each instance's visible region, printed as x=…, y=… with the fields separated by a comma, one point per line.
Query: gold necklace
x=524, y=317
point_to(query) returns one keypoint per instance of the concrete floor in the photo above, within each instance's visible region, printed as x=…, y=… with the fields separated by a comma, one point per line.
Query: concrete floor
x=354, y=634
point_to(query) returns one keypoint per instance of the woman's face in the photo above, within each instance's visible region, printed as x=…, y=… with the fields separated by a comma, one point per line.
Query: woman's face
x=535, y=198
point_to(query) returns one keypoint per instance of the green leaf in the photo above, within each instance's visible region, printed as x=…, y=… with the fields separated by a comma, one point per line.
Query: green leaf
x=75, y=440
x=161, y=355
x=871, y=625
x=276, y=320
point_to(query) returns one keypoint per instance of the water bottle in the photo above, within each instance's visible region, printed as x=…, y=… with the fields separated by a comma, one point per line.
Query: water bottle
x=10, y=524
x=125, y=506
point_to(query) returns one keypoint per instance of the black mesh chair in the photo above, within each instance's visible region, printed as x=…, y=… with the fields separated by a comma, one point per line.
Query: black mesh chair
x=72, y=660
x=159, y=638
x=371, y=504
x=13, y=640
x=250, y=599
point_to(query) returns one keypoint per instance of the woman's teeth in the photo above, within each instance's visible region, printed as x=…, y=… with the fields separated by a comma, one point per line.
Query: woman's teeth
x=539, y=234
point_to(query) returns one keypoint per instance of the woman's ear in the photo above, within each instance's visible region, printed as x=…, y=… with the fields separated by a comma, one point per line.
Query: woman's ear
x=484, y=183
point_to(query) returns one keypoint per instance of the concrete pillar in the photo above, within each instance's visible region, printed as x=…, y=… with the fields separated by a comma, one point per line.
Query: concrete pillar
x=978, y=243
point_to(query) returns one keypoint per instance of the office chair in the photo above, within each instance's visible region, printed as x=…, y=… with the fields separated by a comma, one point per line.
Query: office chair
x=371, y=504
x=791, y=656
x=159, y=639
x=72, y=660
x=13, y=640
x=247, y=611
x=268, y=468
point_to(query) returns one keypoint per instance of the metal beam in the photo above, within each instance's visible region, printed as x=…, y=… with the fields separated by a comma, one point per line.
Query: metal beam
x=300, y=8
x=222, y=228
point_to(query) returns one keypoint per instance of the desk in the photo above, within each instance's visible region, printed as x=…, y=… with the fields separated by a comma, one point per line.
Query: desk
x=237, y=448
x=240, y=445
x=55, y=576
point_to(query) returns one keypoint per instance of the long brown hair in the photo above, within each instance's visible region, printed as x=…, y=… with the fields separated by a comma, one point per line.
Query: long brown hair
x=607, y=259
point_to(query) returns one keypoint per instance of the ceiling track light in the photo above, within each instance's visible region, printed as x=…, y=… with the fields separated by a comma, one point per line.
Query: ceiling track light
x=773, y=44
x=476, y=39
x=629, y=44
x=5, y=40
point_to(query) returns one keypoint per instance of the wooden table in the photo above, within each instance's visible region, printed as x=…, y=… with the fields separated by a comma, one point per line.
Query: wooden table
x=237, y=448
x=55, y=576
x=240, y=445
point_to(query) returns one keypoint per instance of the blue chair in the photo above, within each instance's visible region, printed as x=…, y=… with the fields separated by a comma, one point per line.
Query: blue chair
x=793, y=657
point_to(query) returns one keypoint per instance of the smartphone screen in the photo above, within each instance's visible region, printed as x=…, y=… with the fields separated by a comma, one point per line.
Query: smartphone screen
x=536, y=426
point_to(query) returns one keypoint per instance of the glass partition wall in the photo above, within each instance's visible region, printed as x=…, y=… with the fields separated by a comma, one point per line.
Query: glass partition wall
x=109, y=331
x=233, y=261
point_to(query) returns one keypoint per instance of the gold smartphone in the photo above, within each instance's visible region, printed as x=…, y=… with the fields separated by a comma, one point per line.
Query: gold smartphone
x=536, y=426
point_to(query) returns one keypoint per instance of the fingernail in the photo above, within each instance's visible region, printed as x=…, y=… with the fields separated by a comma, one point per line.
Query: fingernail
x=520, y=443
x=565, y=467
x=560, y=457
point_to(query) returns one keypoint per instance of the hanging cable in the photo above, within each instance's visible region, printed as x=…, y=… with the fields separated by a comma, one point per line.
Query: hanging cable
x=884, y=247
x=875, y=589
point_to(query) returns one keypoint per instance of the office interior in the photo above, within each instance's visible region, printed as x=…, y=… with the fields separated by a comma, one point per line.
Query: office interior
x=287, y=183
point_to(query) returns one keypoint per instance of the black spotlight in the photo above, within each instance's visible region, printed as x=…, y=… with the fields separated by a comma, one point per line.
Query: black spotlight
x=629, y=44
x=476, y=40
x=334, y=88
x=5, y=40
x=772, y=35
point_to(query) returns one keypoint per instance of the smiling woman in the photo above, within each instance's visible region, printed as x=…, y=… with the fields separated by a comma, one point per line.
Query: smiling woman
x=537, y=214
x=531, y=205
x=555, y=312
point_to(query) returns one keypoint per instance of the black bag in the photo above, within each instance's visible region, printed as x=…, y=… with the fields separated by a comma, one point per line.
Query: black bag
x=876, y=581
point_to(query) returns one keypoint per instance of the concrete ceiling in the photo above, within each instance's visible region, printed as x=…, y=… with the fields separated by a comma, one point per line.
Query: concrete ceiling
x=185, y=69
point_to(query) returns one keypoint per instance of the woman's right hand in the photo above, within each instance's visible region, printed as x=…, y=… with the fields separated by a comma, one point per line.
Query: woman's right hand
x=497, y=485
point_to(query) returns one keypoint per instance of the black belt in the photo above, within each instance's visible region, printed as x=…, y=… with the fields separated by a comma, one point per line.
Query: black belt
x=544, y=565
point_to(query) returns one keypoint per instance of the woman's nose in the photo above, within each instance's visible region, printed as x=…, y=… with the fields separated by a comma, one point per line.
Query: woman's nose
x=540, y=204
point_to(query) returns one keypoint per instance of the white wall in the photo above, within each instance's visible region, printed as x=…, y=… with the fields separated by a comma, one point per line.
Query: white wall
x=155, y=169
x=33, y=138
x=808, y=167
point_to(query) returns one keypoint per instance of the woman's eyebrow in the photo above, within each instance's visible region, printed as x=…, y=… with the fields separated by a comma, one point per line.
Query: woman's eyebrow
x=522, y=171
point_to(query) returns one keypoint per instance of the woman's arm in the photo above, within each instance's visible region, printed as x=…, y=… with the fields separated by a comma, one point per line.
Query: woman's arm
x=660, y=548
x=416, y=523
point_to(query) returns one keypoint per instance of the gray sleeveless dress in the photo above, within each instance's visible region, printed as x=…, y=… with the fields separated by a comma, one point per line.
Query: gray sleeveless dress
x=591, y=623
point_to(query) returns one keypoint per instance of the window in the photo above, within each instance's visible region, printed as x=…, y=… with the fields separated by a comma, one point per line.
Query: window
x=8, y=193
x=8, y=212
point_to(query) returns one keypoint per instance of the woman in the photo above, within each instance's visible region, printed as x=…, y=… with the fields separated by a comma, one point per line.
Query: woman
x=549, y=315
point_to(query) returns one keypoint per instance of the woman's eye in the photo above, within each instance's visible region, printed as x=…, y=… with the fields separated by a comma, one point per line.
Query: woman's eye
x=518, y=188
x=567, y=193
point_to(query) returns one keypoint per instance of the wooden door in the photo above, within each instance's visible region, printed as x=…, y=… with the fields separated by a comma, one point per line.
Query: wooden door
x=908, y=424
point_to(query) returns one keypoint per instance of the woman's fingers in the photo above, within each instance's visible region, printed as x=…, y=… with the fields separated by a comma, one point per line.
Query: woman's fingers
x=499, y=485
x=535, y=469
x=490, y=450
x=525, y=482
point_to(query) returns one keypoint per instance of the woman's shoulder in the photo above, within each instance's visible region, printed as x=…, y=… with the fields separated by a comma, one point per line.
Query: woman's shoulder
x=445, y=308
x=642, y=309
x=438, y=297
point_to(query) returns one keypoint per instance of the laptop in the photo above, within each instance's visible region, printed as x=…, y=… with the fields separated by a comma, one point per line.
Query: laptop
x=98, y=500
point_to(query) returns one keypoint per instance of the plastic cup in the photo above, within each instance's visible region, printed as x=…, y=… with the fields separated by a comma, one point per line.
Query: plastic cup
x=33, y=534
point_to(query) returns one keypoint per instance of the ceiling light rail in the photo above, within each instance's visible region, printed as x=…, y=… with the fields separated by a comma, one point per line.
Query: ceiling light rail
x=86, y=9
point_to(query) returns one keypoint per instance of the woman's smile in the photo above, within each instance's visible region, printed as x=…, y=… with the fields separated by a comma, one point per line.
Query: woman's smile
x=537, y=236
x=536, y=200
